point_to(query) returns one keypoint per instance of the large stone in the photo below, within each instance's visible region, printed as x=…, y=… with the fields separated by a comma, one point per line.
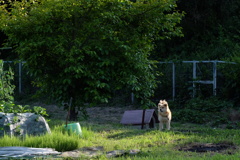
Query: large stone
x=20, y=124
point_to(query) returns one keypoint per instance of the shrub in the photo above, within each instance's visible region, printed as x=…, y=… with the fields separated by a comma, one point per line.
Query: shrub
x=10, y=107
x=6, y=95
x=6, y=87
x=203, y=111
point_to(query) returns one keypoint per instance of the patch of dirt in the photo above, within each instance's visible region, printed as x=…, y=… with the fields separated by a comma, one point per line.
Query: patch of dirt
x=224, y=147
x=98, y=114
x=53, y=111
x=106, y=114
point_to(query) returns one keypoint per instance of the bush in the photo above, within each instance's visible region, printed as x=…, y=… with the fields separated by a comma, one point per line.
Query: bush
x=6, y=87
x=203, y=111
x=231, y=73
x=6, y=95
x=10, y=107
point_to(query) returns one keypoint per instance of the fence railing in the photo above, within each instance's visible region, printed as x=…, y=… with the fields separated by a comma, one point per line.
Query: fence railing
x=194, y=81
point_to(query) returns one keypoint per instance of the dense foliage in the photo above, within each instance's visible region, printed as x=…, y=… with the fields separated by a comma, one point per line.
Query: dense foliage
x=203, y=111
x=7, y=104
x=211, y=111
x=6, y=86
x=86, y=49
x=10, y=107
x=211, y=32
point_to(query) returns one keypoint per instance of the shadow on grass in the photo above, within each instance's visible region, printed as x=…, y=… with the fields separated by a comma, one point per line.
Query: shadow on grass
x=125, y=134
x=137, y=132
x=129, y=133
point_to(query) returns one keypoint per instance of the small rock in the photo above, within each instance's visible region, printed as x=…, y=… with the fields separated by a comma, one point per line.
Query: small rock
x=98, y=148
x=85, y=152
x=73, y=154
x=116, y=153
x=134, y=151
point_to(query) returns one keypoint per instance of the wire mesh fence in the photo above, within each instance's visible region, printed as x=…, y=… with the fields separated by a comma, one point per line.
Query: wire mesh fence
x=187, y=79
x=22, y=80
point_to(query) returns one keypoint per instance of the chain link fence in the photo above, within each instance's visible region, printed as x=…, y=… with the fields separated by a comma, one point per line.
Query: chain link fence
x=185, y=80
x=188, y=79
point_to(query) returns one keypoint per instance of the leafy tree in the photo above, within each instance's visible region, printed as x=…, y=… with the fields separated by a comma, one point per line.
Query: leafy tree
x=210, y=30
x=85, y=49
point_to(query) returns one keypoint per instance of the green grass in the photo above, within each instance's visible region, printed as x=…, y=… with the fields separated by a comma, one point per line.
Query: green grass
x=153, y=144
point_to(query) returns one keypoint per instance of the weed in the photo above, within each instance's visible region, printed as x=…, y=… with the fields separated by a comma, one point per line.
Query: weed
x=15, y=119
x=18, y=130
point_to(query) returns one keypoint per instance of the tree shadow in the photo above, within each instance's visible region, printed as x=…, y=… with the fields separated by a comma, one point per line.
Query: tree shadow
x=129, y=133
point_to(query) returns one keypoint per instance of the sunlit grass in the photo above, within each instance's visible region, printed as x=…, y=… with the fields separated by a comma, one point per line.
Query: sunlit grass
x=59, y=139
x=153, y=144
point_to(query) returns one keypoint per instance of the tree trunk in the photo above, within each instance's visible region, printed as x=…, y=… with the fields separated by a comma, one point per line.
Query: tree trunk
x=73, y=114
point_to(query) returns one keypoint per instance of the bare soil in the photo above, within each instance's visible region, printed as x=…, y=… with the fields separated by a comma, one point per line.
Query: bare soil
x=98, y=114
x=224, y=147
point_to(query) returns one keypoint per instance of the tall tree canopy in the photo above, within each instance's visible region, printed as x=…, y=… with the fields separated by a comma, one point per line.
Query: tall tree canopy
x=85, y=49
x=211, y=31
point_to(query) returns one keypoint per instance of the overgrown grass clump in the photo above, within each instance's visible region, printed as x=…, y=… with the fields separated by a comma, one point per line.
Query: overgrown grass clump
x=59, y=139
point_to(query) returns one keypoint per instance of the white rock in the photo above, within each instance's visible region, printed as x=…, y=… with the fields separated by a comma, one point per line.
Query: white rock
x=21, y=124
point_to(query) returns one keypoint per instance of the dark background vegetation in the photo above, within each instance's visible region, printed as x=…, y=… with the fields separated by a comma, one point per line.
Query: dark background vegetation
x=211, y=32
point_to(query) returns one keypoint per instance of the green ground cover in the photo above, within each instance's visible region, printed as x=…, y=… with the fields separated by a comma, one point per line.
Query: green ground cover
x=152, y=143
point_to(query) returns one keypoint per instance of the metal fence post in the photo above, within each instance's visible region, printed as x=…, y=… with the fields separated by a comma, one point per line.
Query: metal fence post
x=194, y=78
x=173, y=81
x=132, y=98
x=20, y=77
x=214, y=78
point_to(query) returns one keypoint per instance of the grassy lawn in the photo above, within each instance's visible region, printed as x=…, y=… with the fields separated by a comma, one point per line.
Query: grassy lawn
x=152, y=143
x=155, y=144
x=162, y=145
